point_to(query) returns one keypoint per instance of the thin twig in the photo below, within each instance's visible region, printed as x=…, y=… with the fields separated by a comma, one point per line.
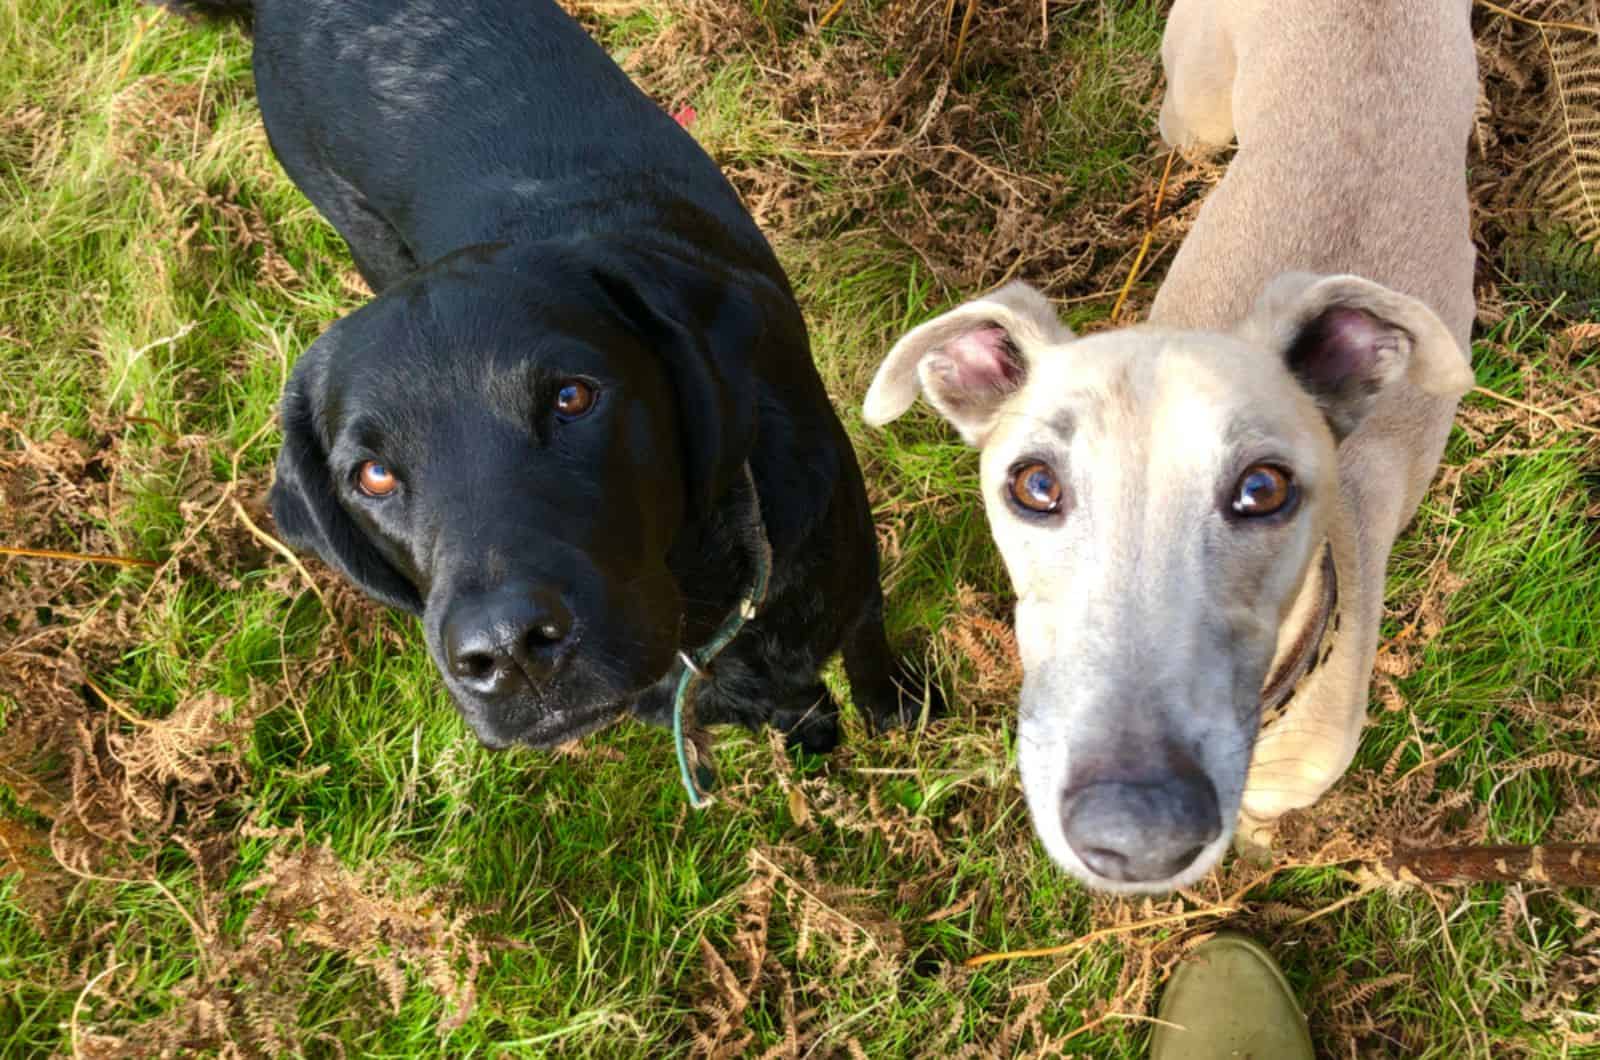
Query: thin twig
x=1131, y=1016
x=830, y=14
x=201, y=953
x=1149, y=237
x=1334, y=906
x=1535, y=22
x=151, y=421
x=109, y=700
x=1096, y=936
x=1087, y=1027
x=1003, y=176
x=77, y=557
x=141, y=26
x=283, y=550
x=133, y=357
x=77, y=1006
x=1560, y=421
x=961, y=37
x=792, y=882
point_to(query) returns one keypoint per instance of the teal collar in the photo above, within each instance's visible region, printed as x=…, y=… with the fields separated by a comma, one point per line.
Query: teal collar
x=696, y=776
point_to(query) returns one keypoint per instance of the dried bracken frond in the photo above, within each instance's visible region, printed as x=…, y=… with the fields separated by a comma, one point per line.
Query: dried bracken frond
x=25, y=855
x=1566, y=154
x=1354, y=995
x=975, y=209
x=834, y=932
x=154, y=116
x=245, y=998
x=1577, y=713
x=985, y=642
x=191, y=747
x=1280, y=912
x=1574, y=764
x=120, y=784
x=312, y=893
x=719, y=1030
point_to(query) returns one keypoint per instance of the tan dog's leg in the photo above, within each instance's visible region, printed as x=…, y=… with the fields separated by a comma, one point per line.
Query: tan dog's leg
x=1197, y=54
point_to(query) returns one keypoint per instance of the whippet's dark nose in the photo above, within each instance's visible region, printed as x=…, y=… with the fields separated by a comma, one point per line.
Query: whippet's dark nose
x=1142, y=831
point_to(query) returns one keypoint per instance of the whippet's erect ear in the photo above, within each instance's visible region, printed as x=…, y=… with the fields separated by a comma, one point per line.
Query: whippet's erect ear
x=966, y=362
x=1345, y=339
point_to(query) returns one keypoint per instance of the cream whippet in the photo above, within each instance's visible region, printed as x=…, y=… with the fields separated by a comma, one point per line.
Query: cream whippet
x=1196, y=513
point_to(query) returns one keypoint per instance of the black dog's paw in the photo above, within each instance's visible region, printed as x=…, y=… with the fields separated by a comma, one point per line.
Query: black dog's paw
x=653, y=706
x=914, y=698
x=813, y=728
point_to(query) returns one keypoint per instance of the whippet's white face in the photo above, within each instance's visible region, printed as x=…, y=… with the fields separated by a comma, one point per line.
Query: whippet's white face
x=1157, y=497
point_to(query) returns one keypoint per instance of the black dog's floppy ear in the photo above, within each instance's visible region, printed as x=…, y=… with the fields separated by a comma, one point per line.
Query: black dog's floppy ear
x=304, y=504
x=706, y=329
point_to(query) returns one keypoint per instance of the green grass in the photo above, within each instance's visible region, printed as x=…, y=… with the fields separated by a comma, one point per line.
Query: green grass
x=128, y=291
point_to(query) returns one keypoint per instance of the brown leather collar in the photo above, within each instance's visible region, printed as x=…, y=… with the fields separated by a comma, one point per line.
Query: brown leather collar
x=1311, y=648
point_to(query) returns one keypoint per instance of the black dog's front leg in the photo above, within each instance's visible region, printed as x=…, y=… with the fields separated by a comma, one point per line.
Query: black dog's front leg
x=739, y=692
x=653, y=706
x=888, y=693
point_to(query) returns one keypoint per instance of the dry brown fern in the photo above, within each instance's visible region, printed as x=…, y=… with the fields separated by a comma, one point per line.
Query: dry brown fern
x=721, y=1029
x=1540, y=135
x=1363, y=991
x=1566, y=157
x=331, y=906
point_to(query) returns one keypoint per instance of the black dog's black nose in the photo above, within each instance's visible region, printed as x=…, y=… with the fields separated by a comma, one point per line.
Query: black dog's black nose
x=508, y=641
x=1141, y=832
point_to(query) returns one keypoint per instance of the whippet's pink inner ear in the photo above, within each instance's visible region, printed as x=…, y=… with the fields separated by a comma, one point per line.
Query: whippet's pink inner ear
x=966, y=362
x=1346, y=340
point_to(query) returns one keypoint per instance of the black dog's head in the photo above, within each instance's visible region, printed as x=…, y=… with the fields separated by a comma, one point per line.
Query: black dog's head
x=507, y=445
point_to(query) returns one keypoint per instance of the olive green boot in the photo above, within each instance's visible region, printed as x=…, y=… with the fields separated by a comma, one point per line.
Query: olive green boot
x=1232, y=1003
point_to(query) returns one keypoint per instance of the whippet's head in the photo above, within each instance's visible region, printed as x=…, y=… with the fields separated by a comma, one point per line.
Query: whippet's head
x=1158, y=497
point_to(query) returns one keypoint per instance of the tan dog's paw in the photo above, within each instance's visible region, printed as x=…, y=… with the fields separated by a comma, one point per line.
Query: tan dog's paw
x=1252, y=840
x=1197, y=55
x=1196, y=135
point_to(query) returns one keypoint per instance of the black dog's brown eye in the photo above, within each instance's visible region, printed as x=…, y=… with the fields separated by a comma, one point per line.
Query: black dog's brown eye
x=1262, y=490
x=1035, y=487
x=574, y=399
x=375, y=480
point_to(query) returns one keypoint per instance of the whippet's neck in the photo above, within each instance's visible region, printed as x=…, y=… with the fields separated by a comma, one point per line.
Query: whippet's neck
x=1306, y=636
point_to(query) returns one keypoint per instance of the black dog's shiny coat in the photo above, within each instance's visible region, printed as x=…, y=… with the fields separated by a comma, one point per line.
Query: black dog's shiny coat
x=528, y=217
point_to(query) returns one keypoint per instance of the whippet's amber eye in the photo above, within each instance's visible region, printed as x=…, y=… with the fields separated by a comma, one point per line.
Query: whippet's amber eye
x=1034, y=486
x=574, y=398
x=375, y=480
x=1263, y=490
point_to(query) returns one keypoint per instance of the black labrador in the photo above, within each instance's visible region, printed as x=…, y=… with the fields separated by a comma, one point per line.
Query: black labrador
x=540, y=435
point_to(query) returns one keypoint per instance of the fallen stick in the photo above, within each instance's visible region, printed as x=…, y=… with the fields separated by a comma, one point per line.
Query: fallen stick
x=1561, y=864
x=1557, y=864
x=76, y=557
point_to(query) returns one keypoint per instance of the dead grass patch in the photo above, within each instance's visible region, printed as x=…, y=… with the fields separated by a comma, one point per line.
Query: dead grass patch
x=245, y=995
x=157, y=126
